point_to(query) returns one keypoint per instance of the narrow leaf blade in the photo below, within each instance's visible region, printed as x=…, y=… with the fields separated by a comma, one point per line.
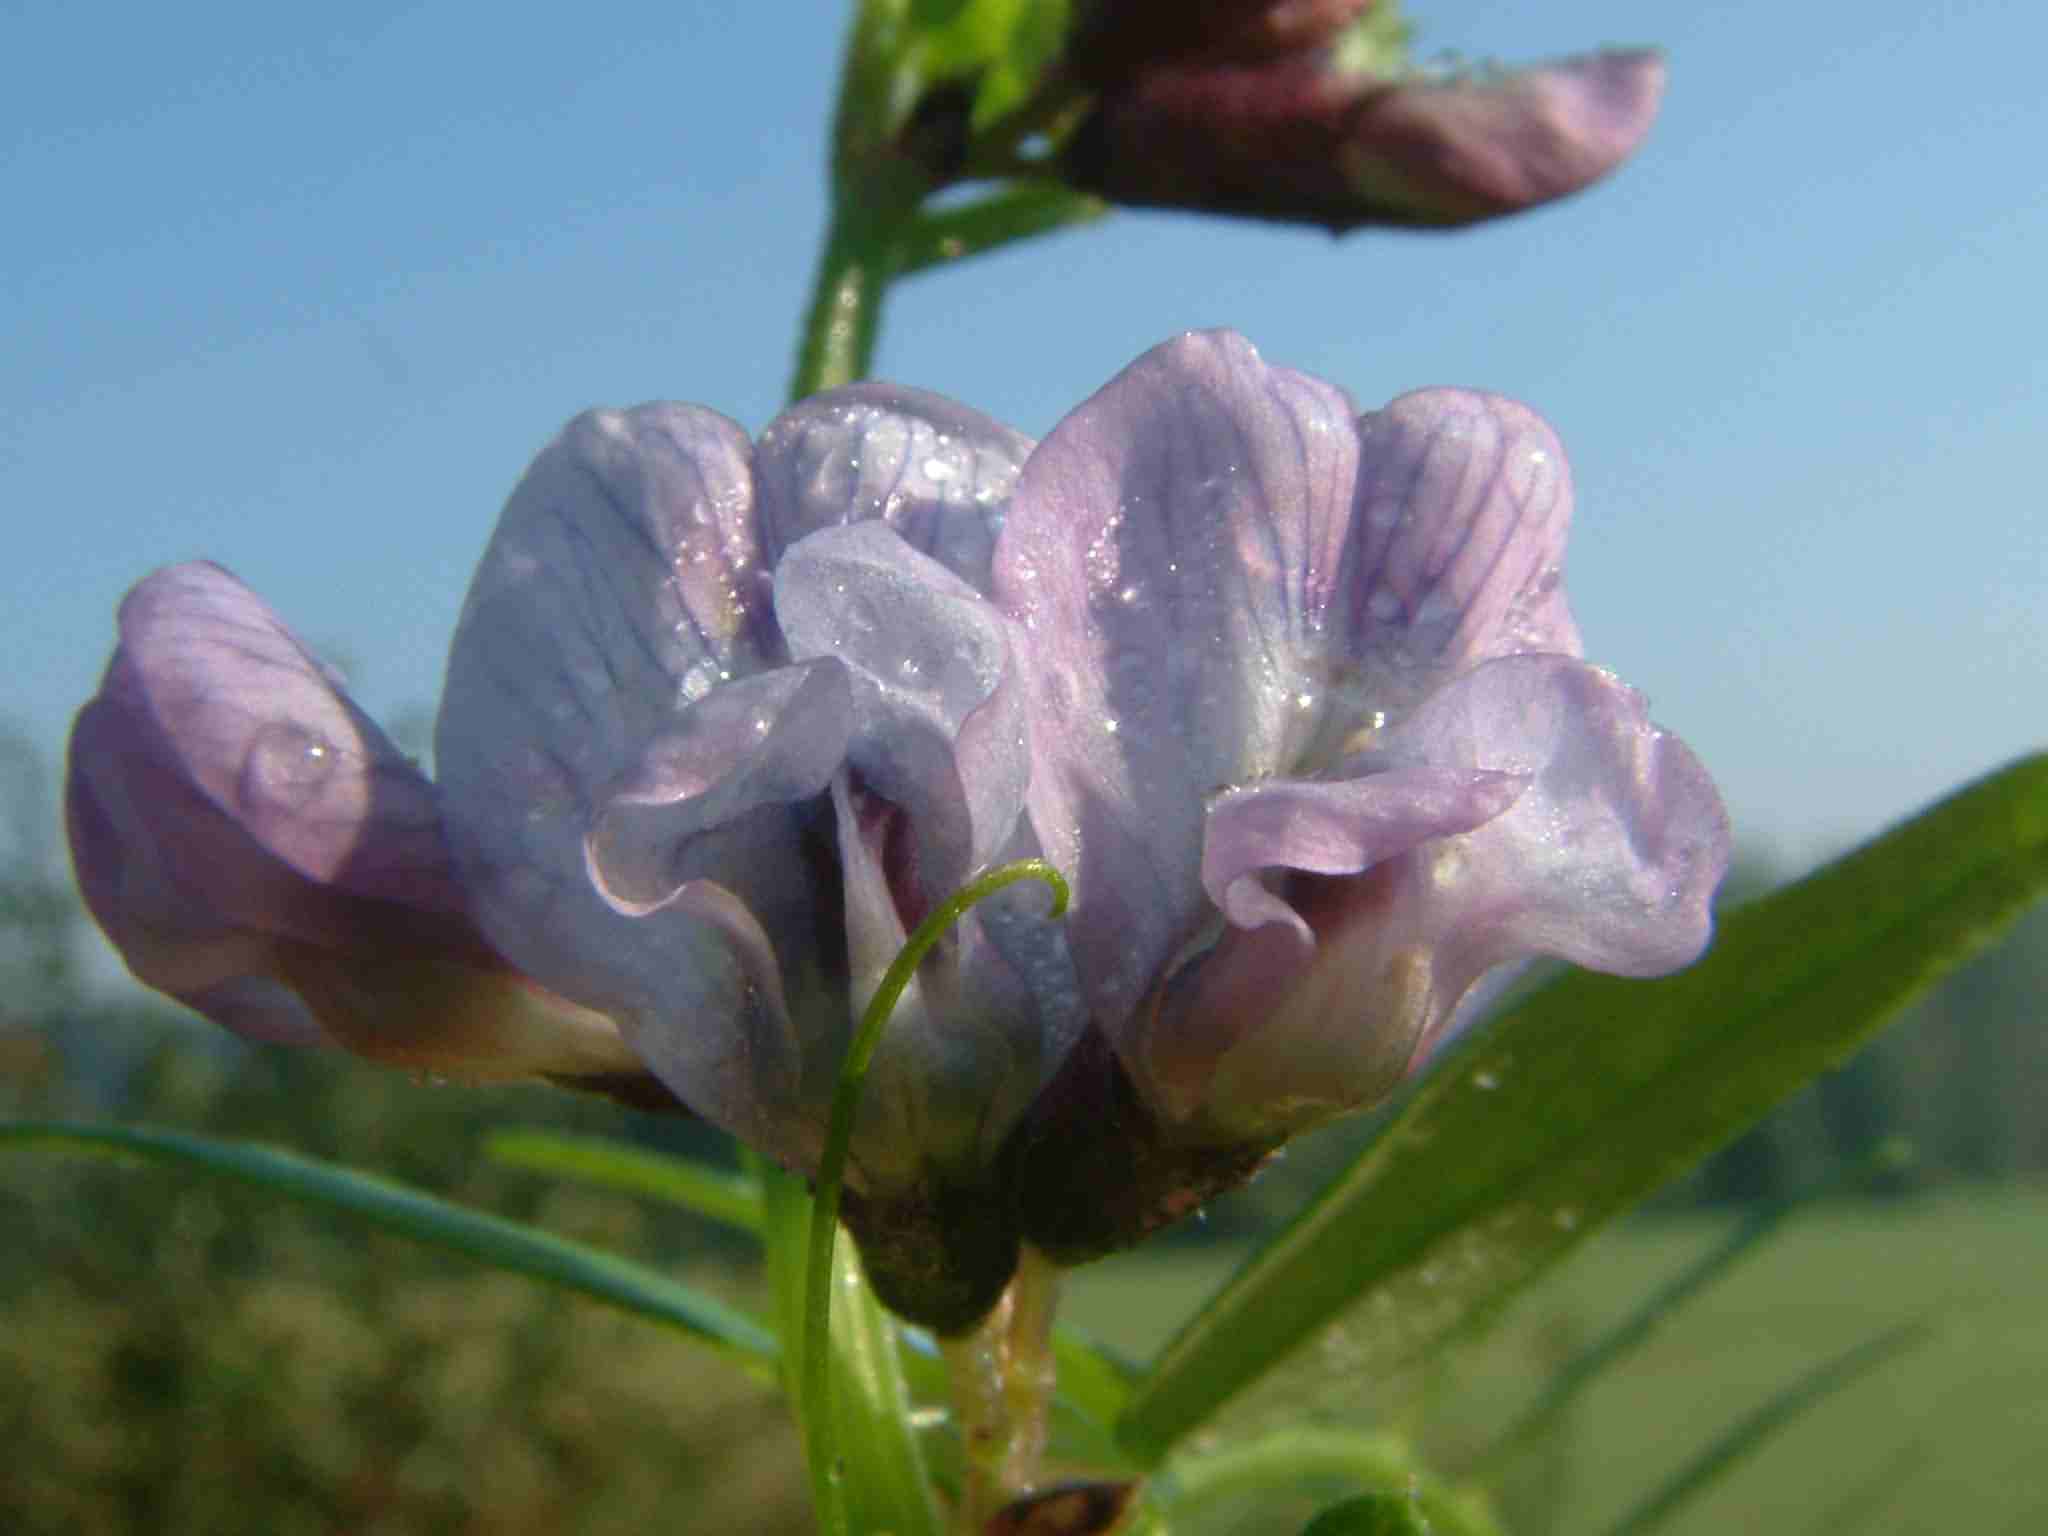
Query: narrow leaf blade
x=727, y=1198
x=415, y=1214
x=1596, y=1091
x=1749, y=1436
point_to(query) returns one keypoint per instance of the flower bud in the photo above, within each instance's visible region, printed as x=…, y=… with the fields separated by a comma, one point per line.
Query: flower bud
x=1303, y=138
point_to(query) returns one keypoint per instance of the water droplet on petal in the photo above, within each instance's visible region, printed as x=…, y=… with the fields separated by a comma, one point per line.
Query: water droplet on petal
x=286, y=767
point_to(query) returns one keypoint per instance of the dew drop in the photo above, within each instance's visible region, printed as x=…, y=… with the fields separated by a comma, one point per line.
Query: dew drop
x=1485, y=1082
x=286, y=767
x=938, y=470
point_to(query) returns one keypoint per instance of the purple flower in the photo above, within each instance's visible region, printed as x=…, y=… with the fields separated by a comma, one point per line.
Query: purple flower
x=1290, y=694
x=723, y=723
x=258, y=849
x=1314, y=742
x=1305, y=136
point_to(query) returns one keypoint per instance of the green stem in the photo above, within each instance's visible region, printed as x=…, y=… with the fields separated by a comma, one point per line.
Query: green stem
x=1029, y=1374
x=974, y=1382
x=1001, y=1378
x=845, y=314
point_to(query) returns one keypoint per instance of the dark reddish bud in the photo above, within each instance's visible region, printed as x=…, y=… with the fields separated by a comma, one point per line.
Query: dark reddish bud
x=1303, y=139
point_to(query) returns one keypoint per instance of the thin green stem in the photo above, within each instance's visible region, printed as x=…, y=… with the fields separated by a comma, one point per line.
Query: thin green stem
x=824, y=1227
x=874, y=196
x=1020, y=212
x=845, y=313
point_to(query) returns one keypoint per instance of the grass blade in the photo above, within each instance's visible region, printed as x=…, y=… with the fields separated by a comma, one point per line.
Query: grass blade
x=729, y=1199
x=413, y=1213
x=1748, y=1436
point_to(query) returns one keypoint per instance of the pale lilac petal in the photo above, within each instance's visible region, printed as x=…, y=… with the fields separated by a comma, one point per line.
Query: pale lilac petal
x=623, y=589
x=1255, y=970
x=1464, y=501
x=938, y=473
x=256, y=847
x=1566, y=825
x=1611, y=857
x=1458, y=150
x=766, y=741
x=1337, y=828
x=940, y=729
x=1170, y=553
x=938, y=763
x=222, y=695
x=1223, y=574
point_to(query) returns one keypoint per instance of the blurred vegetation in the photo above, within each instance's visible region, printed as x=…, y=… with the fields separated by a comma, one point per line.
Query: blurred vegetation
x=178, y=1356
x=182, y=1357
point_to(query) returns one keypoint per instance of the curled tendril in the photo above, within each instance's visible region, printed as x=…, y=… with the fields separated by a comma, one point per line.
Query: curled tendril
x=824, y=1227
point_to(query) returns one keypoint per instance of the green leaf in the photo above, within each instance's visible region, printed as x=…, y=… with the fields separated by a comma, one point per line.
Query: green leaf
x=868, y=1473
x=1594, y=1092
x=1377, y=1467
x=414, y=1213
x=1018, y=66
x=1375, y=1514
x=1094, y=1386
x=727, y=1198
x=1376, y=45
x=1822, y=1381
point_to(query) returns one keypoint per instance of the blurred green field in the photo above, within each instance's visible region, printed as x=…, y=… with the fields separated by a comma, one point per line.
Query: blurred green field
x=1948, y=1439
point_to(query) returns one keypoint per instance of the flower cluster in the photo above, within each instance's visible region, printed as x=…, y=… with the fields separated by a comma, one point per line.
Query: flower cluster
x=1290, y=694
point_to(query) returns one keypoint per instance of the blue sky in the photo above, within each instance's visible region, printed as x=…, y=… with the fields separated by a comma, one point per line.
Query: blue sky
x=301, y=289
